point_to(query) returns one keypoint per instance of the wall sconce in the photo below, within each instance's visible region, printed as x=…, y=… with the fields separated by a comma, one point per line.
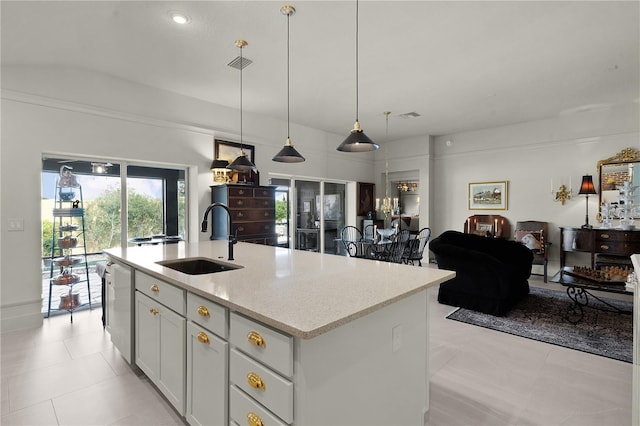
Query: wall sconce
x=220, y=171
x=100, y=168
x=562, y=195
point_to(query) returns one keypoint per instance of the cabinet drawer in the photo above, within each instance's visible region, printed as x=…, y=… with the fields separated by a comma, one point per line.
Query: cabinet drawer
x=264, y=344
x=611, y=235
x=616, y=247
x=167, y=294
x=208, y=314
x=240, y=191
x=253, y=215
x=264, y=193
x=268, y=388
x=252, y=203
x=254, y=228
x=242, y=406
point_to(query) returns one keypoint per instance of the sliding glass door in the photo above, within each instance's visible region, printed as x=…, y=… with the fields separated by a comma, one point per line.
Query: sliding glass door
x=320, y=215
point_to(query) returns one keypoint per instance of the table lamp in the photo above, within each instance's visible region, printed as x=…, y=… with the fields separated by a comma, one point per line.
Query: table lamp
x=587, y=188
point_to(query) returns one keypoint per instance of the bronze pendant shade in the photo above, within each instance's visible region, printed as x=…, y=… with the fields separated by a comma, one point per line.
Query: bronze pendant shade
x=357, y=141
x=288, y=154
x=241, y=163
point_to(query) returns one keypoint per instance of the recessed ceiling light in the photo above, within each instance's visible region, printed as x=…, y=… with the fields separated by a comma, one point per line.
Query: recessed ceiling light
x=179, y=18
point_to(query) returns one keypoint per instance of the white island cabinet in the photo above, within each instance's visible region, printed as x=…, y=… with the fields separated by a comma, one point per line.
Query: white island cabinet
x=160, y=336
x=290, y=338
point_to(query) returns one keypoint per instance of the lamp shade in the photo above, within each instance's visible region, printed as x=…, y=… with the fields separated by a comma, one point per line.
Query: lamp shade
x=288, y=154
x=357, y=141
x=587, y=188
x=219, y=164
x=242, y=164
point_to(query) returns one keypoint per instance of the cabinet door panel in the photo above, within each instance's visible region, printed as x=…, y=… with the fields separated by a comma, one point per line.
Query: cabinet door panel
x=207, y=390
x=171, y=377
x=147, y=336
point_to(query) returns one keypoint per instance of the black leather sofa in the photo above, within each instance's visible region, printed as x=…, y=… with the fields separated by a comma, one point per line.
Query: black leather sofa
x=491, y=273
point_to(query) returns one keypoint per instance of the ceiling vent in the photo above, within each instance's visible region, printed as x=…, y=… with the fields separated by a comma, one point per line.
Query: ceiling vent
x=240, y=63
x=411, y=114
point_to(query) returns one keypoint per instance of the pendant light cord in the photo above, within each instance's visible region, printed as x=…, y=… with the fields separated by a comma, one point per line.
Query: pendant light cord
x=357, y=88
x=288, y=66
x=241, y=66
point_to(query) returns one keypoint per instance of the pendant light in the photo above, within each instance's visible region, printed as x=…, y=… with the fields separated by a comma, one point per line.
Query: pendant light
x=357, y=141
x=288, y=153
x=241, y=163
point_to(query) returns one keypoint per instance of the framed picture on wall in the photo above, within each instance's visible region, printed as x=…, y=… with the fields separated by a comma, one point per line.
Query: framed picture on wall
x=488, y=195
x=366, y=196
x=225, y=150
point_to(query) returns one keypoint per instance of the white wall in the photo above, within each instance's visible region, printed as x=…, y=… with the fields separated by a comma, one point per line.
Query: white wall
x=76, y=112
x=528, y=156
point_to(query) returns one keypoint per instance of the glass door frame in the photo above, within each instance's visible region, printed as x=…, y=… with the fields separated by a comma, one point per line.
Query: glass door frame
x=348, y=210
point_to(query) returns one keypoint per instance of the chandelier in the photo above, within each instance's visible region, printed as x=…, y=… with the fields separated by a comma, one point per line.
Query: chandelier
x=387, y=206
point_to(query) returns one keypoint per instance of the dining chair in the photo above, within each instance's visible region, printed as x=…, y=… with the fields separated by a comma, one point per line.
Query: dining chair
x=350, y=233
x=415, y=247
x=397, y=246
x=368, y=233
x=534, y=235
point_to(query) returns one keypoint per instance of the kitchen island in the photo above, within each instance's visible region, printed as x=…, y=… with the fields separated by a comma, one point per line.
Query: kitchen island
x=298, y=337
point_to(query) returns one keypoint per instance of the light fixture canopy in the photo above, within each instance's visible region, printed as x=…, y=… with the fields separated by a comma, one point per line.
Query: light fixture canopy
x=288, y=154
x=357, y=141
x=241, y=163
x=100, y=168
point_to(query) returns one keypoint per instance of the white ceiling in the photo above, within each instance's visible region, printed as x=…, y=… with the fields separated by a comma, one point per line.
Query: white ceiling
x=460, y=65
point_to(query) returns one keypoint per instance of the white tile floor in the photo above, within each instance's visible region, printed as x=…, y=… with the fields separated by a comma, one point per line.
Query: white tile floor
x=69, y=374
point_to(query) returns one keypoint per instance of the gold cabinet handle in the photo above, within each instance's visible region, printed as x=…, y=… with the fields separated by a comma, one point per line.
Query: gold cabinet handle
x=241, y=192
x=256, y=339
x=240, y=203
x=255, y=381
x=154, y=311
x=155, y=288
x=203, y=338
x=605, y=236
x=604, y=247
x=203, y=311
x=254, y=420
x=240, y=214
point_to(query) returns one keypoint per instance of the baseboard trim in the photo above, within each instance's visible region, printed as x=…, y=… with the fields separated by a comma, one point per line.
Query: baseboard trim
x=21, y=316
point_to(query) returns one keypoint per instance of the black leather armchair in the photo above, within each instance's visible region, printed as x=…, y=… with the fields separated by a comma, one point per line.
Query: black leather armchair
x=491, y=273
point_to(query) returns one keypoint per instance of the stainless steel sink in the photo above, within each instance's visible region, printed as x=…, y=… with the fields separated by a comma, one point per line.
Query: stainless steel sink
x=198, y=265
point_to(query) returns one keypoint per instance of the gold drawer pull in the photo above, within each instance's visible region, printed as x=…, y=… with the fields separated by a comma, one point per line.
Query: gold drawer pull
x=266, y=214
x=255, y=381
x=203, y=338
x=155, y=288
x=240, y=214
x=154, y=311
x=203, y=311
x=253, y=419
x=240, y=228
x=240, y=203
x=603, y=247
x=256, y=339
x=605, y=236
x=241, y=192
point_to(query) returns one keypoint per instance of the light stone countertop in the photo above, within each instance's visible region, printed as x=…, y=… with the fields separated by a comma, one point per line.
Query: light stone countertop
x=298, y=292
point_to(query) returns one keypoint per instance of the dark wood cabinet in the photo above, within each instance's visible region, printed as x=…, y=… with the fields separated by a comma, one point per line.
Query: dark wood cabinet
x=612, y=242
x=253, y=213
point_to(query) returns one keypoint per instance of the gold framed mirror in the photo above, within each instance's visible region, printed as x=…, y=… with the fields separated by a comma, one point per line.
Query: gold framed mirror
x=614, y=171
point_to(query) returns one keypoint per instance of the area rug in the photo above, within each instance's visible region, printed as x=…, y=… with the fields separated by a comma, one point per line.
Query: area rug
x=540, y=316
